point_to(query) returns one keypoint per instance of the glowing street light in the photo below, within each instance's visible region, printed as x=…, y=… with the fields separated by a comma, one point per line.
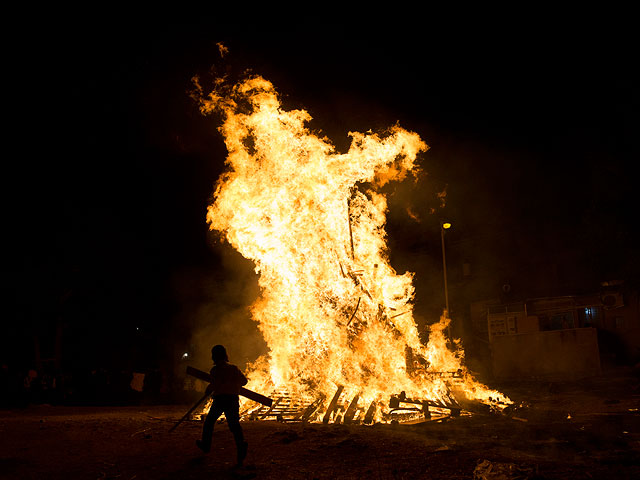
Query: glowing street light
x=445, y=226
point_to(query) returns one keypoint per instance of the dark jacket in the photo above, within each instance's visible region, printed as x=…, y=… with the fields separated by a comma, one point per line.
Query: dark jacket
x=226, y=379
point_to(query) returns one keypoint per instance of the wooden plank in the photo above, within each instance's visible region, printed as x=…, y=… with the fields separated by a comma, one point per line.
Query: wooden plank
x=273, y=405
x=351, y=410
x=332, y=405
x=251, y=395
x=184, y=417
x=354, y=312
x=425, y=410
x=371, y=411
x=310, y=410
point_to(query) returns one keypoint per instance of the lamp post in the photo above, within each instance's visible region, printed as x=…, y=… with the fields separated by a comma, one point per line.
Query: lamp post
x=445, y=226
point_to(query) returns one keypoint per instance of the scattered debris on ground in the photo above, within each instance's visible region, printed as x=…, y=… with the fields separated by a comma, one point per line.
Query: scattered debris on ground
x=565, y=430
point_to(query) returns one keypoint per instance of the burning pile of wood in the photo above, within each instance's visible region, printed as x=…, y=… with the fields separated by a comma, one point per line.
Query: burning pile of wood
x=284, y=407
x=343, y=343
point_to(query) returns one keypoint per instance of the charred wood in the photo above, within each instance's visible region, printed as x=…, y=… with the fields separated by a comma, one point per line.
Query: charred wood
x=351, y=410
x=371, y=411
x=354, y=312
x=332, y=405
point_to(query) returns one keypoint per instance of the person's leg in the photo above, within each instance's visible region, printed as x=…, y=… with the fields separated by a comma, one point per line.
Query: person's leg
x=231, y=412
x=207, y=428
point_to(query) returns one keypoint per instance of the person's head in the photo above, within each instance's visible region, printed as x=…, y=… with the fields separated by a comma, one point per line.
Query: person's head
x=219, y=354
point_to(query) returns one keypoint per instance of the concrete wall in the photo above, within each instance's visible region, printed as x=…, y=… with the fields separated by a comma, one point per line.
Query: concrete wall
x=556, y=354
x=511, y=324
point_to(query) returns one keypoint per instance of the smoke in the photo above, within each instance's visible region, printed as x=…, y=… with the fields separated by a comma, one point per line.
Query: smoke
x=215, y=304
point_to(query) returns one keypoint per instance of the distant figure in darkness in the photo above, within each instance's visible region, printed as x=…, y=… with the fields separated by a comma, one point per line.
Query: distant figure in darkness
x=226, y=380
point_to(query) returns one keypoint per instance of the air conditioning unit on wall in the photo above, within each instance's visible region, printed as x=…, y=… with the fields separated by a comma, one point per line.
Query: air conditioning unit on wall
x=612, y=299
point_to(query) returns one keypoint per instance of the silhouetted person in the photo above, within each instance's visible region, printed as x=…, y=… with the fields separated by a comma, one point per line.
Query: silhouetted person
x=226, y=380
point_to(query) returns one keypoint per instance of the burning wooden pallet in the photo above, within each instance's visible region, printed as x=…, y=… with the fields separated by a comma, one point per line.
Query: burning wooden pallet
x=284, y=407
x=346, y=410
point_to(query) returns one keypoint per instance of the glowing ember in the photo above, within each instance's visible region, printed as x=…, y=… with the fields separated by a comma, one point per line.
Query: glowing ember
x=332, y=310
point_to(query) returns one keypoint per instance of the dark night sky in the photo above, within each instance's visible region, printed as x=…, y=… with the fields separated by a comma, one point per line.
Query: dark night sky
x=532, y=128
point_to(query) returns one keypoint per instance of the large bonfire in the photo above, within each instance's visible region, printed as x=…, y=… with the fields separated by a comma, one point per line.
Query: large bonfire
x=333, y=311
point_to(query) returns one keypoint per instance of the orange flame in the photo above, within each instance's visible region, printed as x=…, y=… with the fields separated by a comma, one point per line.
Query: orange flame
x=332, y=310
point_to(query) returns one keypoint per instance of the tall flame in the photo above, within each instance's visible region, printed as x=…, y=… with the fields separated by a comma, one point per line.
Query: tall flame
x=332, y=310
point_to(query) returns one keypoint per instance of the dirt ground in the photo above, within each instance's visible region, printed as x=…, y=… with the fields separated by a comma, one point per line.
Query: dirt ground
x=587, y=429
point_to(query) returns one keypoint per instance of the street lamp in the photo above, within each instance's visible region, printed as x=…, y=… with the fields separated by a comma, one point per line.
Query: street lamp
x=445, y=226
